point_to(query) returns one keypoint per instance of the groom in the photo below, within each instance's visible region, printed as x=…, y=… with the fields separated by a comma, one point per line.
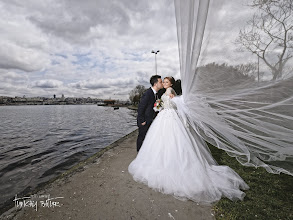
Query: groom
x=145, y=112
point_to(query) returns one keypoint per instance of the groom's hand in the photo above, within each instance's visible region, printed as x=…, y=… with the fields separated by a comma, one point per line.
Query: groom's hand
x=171, y=96
x=143, y=124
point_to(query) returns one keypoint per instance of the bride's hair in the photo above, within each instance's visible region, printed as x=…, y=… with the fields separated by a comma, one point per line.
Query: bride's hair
x=171, y=79
x=176, y=85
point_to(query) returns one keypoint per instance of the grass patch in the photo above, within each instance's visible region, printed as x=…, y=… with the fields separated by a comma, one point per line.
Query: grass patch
x=270, y=196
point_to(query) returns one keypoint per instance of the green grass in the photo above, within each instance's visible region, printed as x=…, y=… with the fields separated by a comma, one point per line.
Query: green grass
x=270, y=196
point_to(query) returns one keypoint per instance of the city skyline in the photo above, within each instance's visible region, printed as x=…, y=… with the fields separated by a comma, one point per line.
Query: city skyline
x=6, y=100
x=60, y=96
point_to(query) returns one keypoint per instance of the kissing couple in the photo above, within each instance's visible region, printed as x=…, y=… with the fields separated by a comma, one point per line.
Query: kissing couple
x=172, y=158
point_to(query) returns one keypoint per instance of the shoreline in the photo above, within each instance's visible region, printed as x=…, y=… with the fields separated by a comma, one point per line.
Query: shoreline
x=132, y=107
x=100, y=187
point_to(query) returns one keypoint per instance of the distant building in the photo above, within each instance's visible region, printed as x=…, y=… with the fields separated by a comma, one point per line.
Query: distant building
x=54, y=96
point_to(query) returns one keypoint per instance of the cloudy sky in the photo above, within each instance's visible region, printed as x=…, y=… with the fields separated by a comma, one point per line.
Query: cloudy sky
x=99, y=48
x=84, y=48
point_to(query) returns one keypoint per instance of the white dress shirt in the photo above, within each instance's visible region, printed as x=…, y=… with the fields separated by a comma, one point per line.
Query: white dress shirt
x=155, y=92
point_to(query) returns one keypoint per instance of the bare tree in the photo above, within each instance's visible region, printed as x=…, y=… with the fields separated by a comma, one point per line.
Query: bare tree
x=136, y=94
x=270, y=29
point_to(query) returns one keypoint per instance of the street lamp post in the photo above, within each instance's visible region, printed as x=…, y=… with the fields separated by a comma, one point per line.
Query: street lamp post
x=155, y=52
x=258, y=69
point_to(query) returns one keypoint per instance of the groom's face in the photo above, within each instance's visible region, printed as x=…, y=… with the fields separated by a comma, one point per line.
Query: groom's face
x=159, y=84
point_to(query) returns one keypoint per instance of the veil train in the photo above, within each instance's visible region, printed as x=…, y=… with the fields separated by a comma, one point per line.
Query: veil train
x=223, y=100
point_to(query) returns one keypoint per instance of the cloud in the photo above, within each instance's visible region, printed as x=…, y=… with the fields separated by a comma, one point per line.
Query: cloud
x=23, y=46
x=11, y=76
x=81, y=23
x=16, y=57
x=103, y=83
x=143, y=78
x=47, y=84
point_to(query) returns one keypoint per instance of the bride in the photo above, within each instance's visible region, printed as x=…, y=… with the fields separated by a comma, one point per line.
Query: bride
x=174, y=160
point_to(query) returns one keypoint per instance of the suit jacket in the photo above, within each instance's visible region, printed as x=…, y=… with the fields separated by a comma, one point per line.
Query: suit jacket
x=161, y=92
x=145, y=110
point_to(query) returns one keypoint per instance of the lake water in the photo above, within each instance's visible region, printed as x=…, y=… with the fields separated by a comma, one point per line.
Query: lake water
x=39, y=142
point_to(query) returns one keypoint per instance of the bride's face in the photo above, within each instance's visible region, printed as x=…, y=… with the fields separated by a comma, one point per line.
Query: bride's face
x=167, y=83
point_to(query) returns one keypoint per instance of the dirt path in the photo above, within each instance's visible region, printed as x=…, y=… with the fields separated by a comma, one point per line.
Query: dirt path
x=102, y=188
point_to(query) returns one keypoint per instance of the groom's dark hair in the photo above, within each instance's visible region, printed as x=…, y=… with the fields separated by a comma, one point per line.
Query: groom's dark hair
x=154, y=79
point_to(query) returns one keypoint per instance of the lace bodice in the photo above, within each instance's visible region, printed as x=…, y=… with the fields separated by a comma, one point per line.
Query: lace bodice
x=167, y=101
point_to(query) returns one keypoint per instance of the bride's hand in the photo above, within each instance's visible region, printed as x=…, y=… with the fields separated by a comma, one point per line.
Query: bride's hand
x=171, y=96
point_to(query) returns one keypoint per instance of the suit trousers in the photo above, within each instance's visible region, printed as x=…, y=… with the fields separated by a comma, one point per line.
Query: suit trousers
x=142, y=130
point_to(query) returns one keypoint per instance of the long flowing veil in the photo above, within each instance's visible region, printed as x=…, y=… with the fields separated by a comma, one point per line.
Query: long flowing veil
x=236, y=66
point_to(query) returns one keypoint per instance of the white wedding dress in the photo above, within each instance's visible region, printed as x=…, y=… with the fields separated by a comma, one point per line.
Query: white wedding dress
x=172, y=160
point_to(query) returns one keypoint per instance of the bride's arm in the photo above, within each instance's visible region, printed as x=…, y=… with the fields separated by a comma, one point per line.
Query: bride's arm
x=171, y=92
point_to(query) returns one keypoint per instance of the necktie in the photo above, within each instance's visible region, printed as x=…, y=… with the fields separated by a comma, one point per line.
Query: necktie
x=156, y=96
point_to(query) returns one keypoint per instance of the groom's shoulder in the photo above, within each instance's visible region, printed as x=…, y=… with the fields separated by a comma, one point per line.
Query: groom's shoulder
x=148, y=91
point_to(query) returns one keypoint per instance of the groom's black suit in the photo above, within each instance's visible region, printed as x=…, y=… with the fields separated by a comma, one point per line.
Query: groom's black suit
x=145, y=113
